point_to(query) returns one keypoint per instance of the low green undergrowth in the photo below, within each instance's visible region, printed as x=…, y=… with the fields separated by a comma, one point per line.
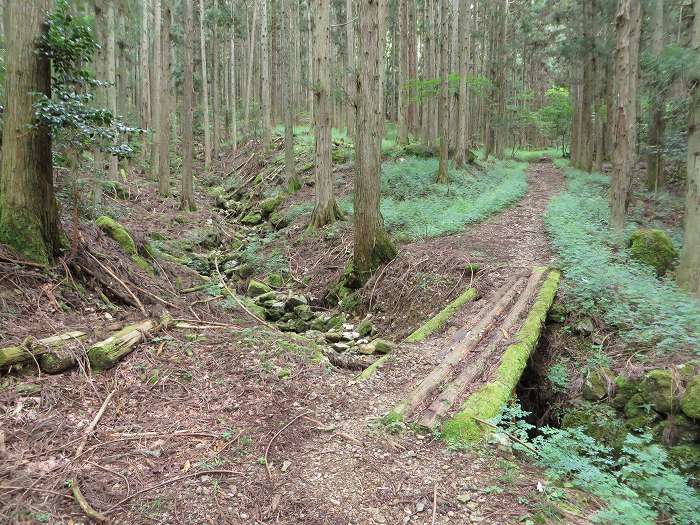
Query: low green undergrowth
x=603, y=280
x=636, y=486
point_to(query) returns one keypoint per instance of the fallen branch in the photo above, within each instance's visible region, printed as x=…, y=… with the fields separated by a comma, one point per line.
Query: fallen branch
x=168, y=482
x=114, y=276
x=89, y=511
x=267, y=448
x=105, y=354
x=30, y=347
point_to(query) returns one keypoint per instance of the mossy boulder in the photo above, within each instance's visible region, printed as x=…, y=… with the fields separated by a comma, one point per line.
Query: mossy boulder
x=690, y=404
x=686, y=458
x=118, y=233
x=278, y=220
x=676, y=429
x=599, y=421
x=270, y=204
x=598, y=384
x=366, y=328
x=256, y=288
x=658, y=388
x=275, y=280
x=252, y=219
x=625, y=388
x=382, y=346
x=116, y=189
x=654, y=248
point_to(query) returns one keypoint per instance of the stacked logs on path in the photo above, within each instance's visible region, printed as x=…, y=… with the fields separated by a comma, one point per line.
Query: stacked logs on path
x=61, y=352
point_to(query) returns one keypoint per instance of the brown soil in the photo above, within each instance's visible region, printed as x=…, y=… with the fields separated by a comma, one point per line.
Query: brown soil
x=236, y=395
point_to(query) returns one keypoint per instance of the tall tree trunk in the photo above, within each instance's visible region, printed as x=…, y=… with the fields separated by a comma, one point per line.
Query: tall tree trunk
x=144, y=78
x=216, y=96
x=293, y=182
x=372, y=245
x=628, y=25
x=326, y=209
x=28, y=209
x=655, y=135
x=205, y=89
x=350, y=50
x=444, y=117
x=585, y=153
x=249, y=78
x=158, y=132
x=187, y=194
x=111, y=76
x=165, y=106
x=233, y=132
x=462, y=140
x=265, y=75
x=689, y=266
x=402, y=137
x=412, y=67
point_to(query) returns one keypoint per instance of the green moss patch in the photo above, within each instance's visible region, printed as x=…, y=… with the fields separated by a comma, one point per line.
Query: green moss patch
x=654, y=248
x=118, y=233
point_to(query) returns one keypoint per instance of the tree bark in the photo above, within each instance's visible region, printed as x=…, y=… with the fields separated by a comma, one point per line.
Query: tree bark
x=689, y=266
x=232, y=79
x=144, y=78
x=628, y=26
x=157, y=106
x=655, y=135
x=165, y=105
x=462, y=140
x=205, y=89
x=402, y=137
x=372, y=245
x=249, y=77
x=326, y=209
x=28, y=209
x=265, y=75
x=216, y=95
x=111, y=77
x=350, y=50
x=443, y=114
x=293, y=183
x=187, y=201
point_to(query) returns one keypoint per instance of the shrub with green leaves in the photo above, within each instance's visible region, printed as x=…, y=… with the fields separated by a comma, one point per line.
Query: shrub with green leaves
x=604, y=280
x=636, y=486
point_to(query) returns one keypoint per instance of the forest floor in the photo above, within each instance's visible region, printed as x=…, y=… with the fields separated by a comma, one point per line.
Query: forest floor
x=242, y=426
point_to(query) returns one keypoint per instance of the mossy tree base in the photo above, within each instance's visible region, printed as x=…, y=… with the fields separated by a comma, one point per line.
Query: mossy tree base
x=326, y=214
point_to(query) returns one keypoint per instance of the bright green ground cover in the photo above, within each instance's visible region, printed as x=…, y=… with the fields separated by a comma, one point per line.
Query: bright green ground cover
x=415, y=207
x=603, y=280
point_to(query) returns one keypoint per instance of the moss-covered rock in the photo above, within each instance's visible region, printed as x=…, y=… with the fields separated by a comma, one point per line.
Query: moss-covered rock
x=690, y=404
x=598, y=384
x=599, y=421
x=118, y=233
x=625, y=388
x=116, y=189
x=382, y=346
x=256, y=288
x=676, y=429
x=270, y=204
x=686, y=458
x=366, y=328
x=275, y=280
x=252, y=218
x=278, y=220
x=659, y=389
x=653, y=247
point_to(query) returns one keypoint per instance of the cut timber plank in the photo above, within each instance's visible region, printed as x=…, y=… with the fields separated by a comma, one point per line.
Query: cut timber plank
x=445, y=369
x=13, y=355
x=476, y=367
x=486, y=402
x=437, y=322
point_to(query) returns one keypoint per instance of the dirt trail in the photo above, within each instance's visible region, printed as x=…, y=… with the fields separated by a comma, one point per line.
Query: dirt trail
x=245, y=390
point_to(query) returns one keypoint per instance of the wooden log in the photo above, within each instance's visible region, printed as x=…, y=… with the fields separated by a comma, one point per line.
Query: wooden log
x=31, y=348
x=57, y=361
x=437, y=322
x=445, y=369
x=486, y=402
x=475, y=368
x=105, y=354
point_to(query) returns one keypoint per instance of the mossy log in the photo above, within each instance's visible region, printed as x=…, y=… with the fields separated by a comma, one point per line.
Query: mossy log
x=105, y=354
x=438, y=321
x=57, y=361
x=458, y=352
x=476, y=367
x=32, y=348
x=486, y=402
